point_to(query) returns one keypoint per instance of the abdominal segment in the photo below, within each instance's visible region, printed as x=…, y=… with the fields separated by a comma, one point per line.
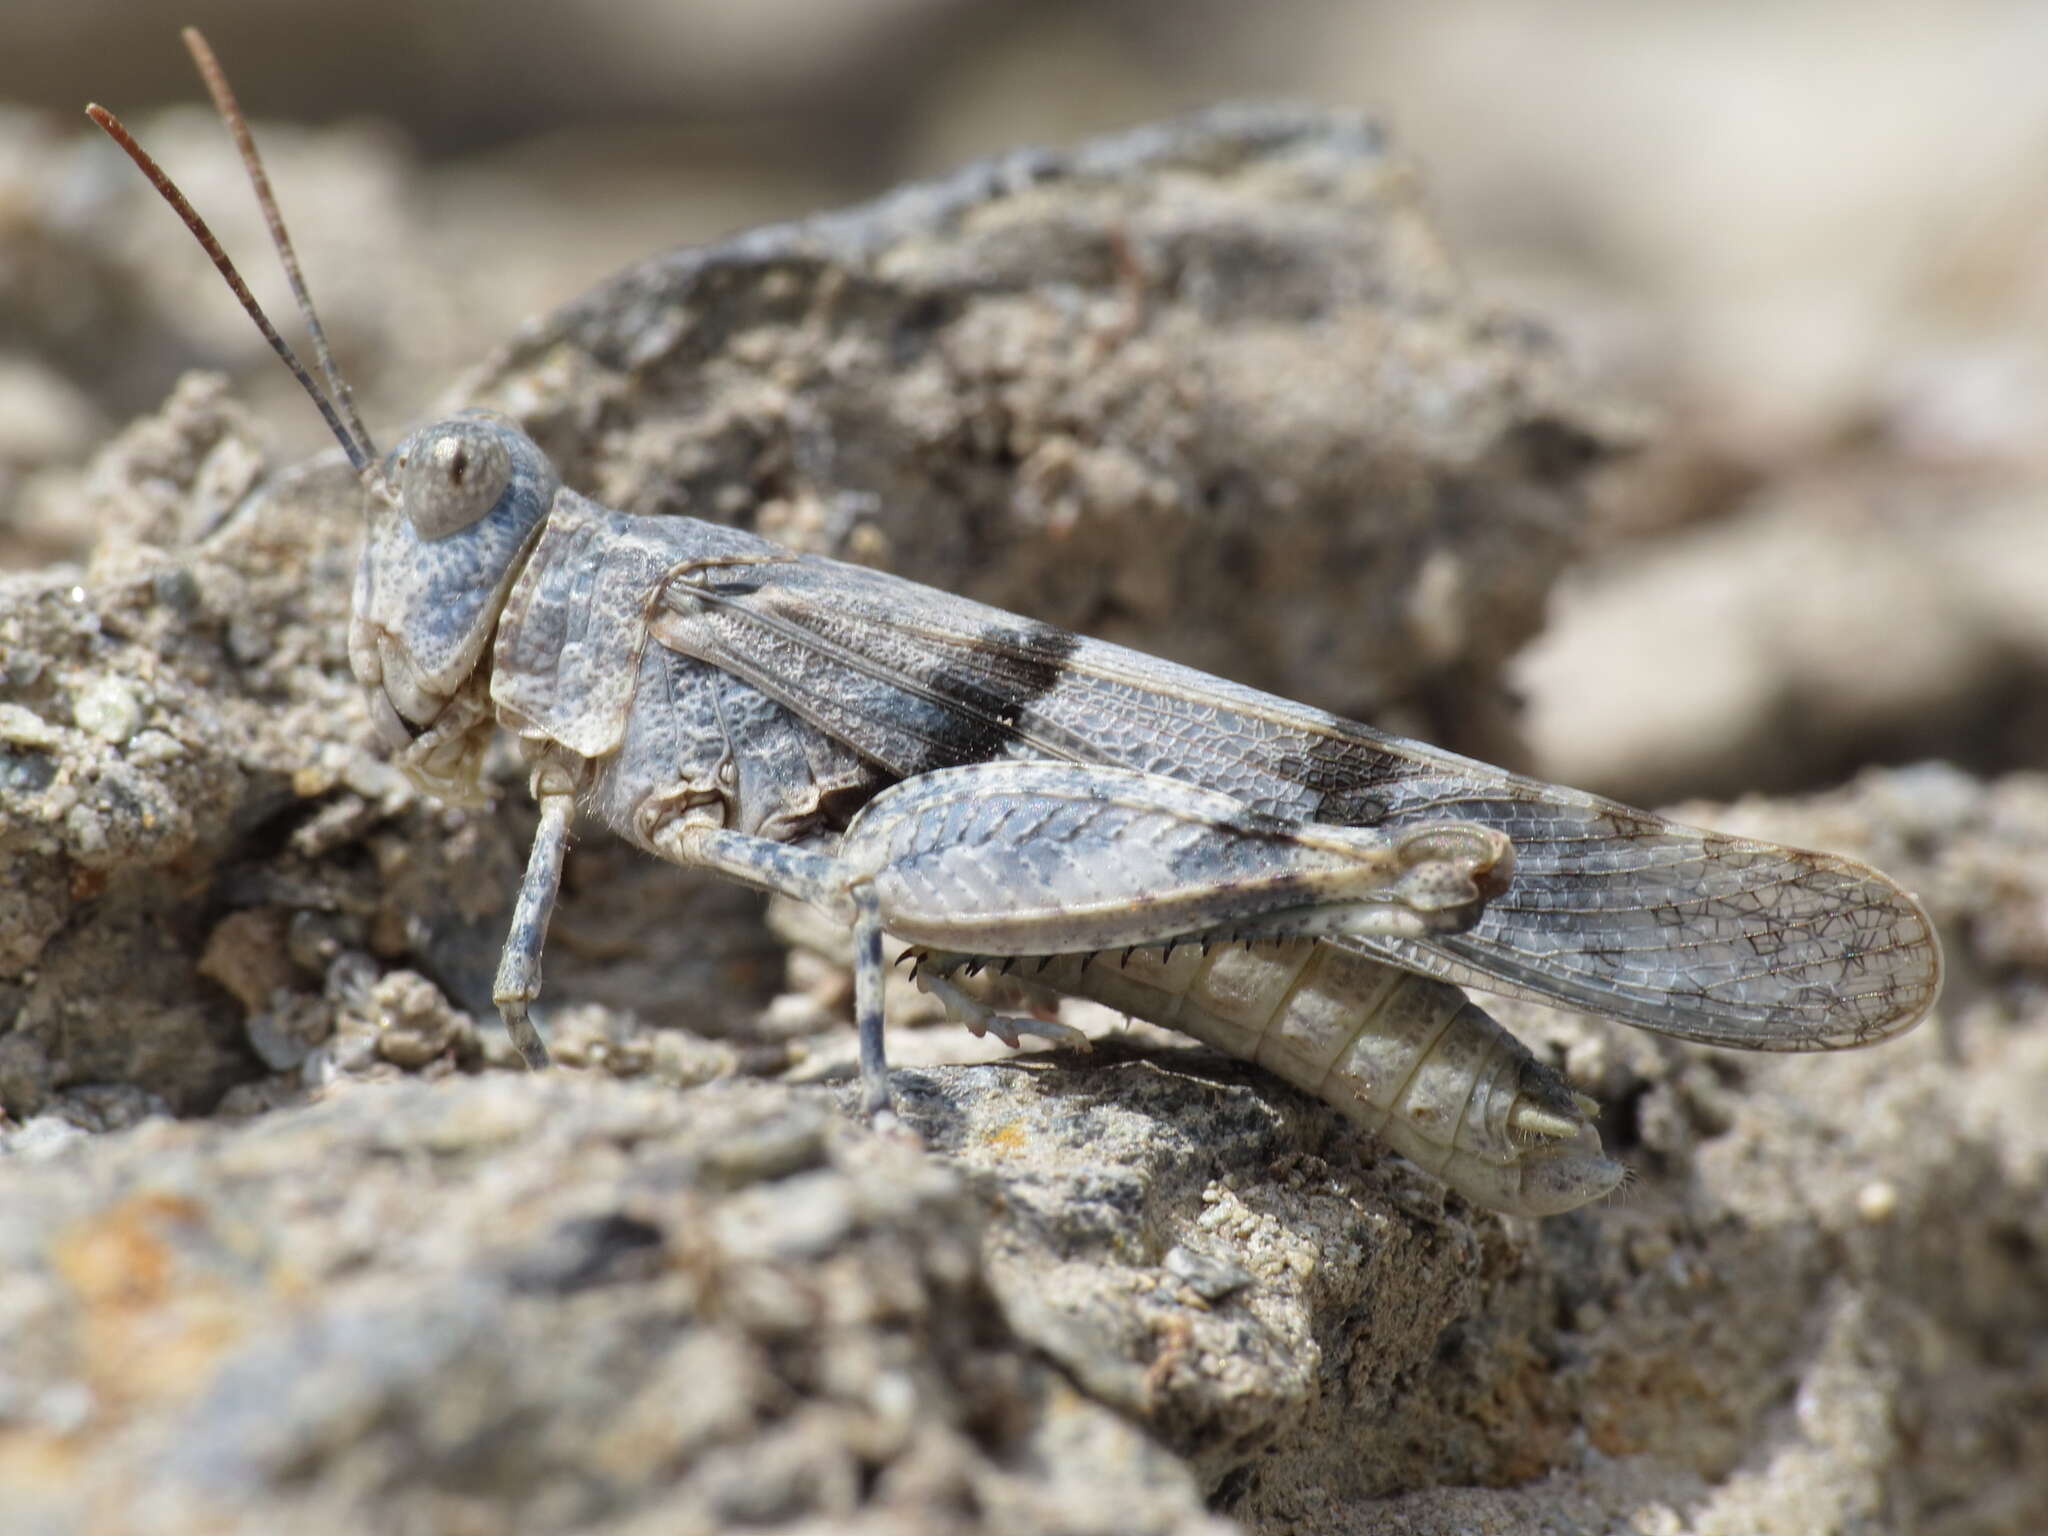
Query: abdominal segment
x=1408, y=1058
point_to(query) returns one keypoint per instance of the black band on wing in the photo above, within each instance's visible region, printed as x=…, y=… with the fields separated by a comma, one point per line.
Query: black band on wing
x=1016, y=667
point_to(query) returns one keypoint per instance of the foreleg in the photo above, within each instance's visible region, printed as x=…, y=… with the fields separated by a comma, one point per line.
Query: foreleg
x=518, y=981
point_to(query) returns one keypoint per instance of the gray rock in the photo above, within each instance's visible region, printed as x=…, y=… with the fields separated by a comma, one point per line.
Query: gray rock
x=518, y=1304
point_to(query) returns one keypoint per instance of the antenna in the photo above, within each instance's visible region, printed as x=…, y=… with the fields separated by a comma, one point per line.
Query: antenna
x=355, y=442
x=231, y=114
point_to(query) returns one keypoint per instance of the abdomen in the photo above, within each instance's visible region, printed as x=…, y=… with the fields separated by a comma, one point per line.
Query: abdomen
x=1411, y=1059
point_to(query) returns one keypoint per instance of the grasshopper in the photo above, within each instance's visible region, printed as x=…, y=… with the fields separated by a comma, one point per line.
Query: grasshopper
x=1038, y=813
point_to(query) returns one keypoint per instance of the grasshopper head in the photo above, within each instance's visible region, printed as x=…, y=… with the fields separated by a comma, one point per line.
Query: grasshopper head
x=453, y=511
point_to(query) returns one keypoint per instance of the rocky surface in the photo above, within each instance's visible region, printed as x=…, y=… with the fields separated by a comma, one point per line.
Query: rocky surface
x=285, y=1248
x=537, y=1306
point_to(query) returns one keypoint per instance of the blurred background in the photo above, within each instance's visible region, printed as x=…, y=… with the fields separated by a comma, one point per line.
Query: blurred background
x=1804, y=244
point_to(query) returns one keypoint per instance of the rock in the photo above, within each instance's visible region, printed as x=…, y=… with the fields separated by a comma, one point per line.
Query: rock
x=512, y=1303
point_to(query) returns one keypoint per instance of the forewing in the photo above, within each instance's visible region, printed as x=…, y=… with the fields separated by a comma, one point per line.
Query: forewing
x=1691, y=933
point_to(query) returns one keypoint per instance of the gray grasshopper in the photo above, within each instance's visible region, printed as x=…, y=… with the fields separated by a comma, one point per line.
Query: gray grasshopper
x=1041, y=815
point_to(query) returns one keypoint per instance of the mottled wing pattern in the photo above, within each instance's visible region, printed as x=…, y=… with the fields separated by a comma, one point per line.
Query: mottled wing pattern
x=1616, y=911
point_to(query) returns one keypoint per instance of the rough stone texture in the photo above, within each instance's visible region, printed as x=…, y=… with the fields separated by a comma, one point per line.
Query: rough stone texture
x=512, y=1305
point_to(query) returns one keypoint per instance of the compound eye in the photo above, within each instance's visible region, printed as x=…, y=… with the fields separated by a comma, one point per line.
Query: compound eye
x=451, y=477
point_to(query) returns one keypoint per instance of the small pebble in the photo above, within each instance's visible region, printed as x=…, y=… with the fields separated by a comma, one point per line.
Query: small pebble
x=107, y=708
x=27, y=728
x=1208, y=1276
